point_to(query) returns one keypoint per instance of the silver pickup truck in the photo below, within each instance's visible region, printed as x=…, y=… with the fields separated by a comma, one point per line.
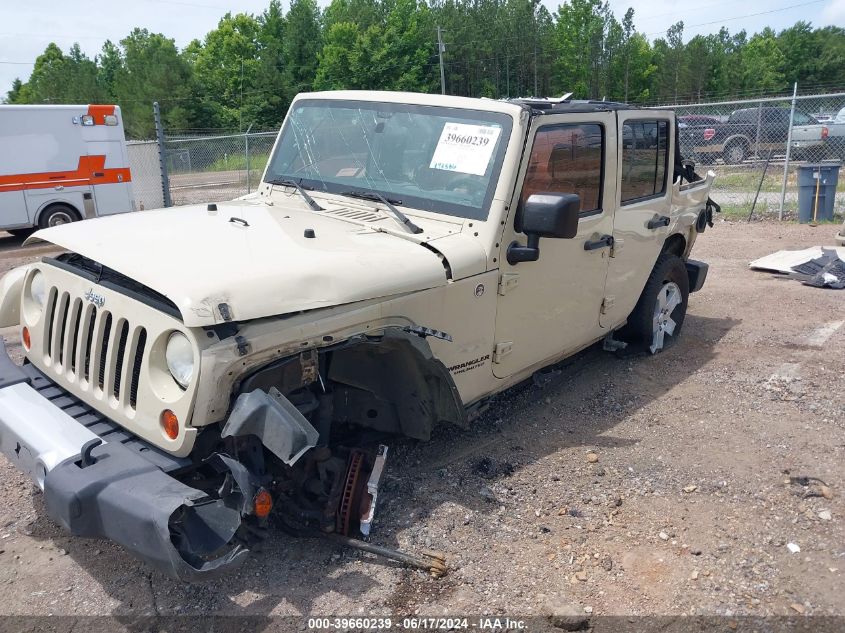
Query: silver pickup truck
x=834, y=134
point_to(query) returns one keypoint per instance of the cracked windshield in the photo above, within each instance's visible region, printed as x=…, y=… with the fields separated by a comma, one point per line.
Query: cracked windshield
x=435, y=159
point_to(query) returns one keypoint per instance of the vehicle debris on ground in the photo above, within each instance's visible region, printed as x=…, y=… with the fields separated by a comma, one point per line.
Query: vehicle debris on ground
x=819, y=266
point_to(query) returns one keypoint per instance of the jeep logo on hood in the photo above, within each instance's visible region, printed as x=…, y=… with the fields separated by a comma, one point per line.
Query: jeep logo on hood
x=93, y=297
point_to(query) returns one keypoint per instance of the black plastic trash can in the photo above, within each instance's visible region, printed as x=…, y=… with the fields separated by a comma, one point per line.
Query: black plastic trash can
x=817, y=191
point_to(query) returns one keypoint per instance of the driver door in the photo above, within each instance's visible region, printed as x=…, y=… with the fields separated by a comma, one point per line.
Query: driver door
x=550, y=308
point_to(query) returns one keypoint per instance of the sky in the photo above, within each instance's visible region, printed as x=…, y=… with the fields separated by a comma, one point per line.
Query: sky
x=27, y=27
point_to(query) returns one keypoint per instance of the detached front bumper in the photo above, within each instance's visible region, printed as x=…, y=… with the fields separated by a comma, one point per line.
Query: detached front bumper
x=114, y=486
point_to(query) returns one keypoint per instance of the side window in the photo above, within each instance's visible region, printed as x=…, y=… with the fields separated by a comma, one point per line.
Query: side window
x=567, y=159
x=741, y=116
x=644, y=157
x=799, y=118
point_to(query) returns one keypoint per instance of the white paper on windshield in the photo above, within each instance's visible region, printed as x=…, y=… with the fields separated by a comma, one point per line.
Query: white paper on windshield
x=465, y=148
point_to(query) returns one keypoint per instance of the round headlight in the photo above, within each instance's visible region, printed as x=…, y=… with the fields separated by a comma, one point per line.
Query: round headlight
x=38, y=289
x=180, y=359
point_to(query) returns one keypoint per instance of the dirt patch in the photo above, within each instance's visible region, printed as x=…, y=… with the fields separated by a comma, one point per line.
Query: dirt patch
x=690, y=506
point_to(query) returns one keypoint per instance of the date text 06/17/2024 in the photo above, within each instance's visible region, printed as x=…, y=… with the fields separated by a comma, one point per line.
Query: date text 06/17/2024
x=486, y=623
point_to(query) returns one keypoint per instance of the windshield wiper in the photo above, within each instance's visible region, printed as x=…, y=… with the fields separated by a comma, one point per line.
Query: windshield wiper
x=283, y=182
x=377, y=197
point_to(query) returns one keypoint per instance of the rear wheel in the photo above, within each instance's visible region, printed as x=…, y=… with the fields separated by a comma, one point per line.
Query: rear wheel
x=735, y=153
x=659, y=314
x=57, y=215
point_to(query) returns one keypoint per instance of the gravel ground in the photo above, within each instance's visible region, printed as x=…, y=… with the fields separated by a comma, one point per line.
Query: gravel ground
x=674, y=484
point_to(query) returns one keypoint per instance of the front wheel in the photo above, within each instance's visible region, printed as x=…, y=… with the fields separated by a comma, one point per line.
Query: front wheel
x=57, y=215
x=659, y=314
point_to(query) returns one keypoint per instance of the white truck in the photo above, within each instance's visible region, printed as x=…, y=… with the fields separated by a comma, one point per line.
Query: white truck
x=61, y=163
x=835, y=136
x=192, y=373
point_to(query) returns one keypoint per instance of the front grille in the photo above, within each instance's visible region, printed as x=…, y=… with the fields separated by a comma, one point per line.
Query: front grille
x=104, y=350
x=100, y=350
x=136, y=368
x=99, y=424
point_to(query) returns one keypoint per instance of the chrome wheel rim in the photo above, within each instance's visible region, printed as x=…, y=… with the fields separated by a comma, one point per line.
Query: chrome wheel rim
x=735, y=154
x=662, y=323
x=58, y=218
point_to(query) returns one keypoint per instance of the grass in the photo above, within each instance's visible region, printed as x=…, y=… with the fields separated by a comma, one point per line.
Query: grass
x=237, y=162
x=736, y=212
x=763, y=211
x=748, y=180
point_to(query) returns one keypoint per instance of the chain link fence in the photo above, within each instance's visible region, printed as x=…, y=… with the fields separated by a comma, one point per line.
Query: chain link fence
x=203, y=167
x=769, y=154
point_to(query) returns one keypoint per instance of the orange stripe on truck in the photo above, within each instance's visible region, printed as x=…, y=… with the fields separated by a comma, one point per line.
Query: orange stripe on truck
x=99, y=112
x=90, y=171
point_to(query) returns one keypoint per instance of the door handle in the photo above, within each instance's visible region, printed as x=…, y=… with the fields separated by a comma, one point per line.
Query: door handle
x=605, y=241
x=657, y=221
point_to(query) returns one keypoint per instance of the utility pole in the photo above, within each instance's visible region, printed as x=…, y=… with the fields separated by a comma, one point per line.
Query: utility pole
x=241, y=107
x=508, y=76
x=441, y=48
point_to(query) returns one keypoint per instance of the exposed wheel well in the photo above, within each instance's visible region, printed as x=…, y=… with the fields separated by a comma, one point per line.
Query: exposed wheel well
x=675, y=244
x=738, y=140
x=391, y=383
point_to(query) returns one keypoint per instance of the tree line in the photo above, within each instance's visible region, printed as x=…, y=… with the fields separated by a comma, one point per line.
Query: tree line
x=246, y=71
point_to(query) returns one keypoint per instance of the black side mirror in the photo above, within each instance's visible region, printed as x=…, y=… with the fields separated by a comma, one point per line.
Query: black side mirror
x=545, y=215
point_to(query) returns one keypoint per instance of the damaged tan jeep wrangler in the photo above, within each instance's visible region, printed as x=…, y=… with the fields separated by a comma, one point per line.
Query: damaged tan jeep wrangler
x=193, y=374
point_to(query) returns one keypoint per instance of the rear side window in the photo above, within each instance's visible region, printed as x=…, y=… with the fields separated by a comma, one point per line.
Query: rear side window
x=743, y=116
x=644, y=158
x=568, y=159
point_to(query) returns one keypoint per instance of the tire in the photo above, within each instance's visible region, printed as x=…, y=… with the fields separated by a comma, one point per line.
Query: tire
x=735, y=153
x=658, y=317
x=57, y=215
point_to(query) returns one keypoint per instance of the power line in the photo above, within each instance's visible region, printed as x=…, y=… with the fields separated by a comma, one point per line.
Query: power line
x=698, y=7
x=742, y=17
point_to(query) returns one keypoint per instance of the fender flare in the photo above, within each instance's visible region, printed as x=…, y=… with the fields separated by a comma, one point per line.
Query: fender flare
x=11, y=287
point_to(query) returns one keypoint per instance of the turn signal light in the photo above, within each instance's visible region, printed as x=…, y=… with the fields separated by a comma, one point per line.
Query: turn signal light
x=170, y=424
x=27, y=341
x=263, y=503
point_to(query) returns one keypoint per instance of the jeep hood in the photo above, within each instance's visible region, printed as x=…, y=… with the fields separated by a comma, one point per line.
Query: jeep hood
x=253, y=257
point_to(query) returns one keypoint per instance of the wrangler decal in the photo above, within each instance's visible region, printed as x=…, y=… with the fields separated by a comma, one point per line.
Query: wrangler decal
x=469, y=365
